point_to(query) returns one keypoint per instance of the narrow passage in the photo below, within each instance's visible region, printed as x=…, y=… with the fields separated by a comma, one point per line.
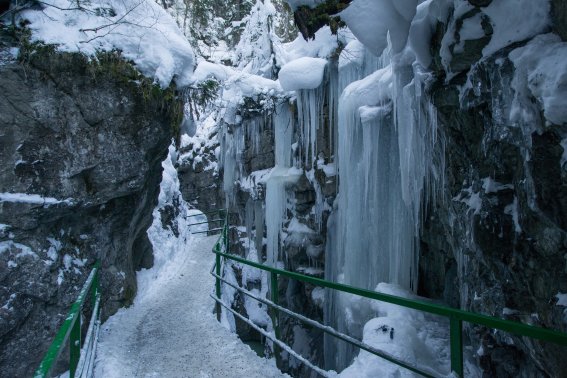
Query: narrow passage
x=171, y=331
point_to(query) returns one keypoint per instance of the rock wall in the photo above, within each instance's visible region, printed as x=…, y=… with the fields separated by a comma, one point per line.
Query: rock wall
x=496, y=244
x=81, y=147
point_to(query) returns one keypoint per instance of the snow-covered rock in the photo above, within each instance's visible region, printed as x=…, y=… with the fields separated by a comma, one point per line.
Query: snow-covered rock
x=140, y=29
x=302, y=73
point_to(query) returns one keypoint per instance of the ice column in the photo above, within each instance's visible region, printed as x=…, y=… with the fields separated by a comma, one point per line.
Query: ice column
x=281, y=175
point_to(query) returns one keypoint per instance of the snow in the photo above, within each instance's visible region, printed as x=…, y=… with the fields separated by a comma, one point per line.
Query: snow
x=296, y=226
x=24, y=250
x=371, y=21
x=236, y=84
x=318, y=296
x=561, y=299
x=53, y=250
x=172, y=331
x=491, y=186
x=322, y=46
x=35, y=199
x=330, y=169
x=471, y=198
x=411, y=336
x=541, y=72
x=421, y=31
x=460, y=8
x=512, y=209
x=140, y=29
x=294, y=4
x=515, y=21
x=302, y=73
x=353, y=53
x=375, y=89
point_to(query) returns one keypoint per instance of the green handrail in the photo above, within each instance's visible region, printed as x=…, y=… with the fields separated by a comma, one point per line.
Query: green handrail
x=70, y=330
x=456, y=317
x=221, y=218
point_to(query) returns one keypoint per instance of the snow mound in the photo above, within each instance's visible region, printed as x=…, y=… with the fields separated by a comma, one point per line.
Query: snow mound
x=515, y=21
x=302, y=73
x=409, y=335
x=541, y=72
x=140, y=29
x=371, y=20
x=375, y=89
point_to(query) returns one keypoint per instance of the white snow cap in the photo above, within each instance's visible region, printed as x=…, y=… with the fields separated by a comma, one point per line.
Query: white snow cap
x=541, y=67
x=141, y=29
x=370, y=21
x=302, y=73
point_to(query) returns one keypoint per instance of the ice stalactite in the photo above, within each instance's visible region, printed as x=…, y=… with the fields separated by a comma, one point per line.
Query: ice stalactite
x=310, y=117
x=386, y=140
x=232, y=145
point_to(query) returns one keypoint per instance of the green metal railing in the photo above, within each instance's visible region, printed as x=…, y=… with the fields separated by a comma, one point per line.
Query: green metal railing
x=456, y=317
x=220, y=218
x=70, y=331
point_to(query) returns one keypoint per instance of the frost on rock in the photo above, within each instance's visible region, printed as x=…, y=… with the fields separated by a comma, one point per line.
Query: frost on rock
x=302, y=73
x=140, y=29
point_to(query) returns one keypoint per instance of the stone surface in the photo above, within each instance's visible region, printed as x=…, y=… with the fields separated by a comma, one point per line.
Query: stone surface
x=506, y=257
x=88, y=133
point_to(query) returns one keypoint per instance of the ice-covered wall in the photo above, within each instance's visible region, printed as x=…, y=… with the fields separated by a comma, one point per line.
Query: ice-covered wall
x=424, y=126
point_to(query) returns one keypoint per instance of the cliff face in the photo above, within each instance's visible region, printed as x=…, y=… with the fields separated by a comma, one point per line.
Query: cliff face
x=497, y=244
x=81, y=147
x=492, y=237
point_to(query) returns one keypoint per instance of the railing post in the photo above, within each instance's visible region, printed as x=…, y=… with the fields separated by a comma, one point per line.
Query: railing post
x=218, y=284
x=456, y=336
x=75, y=346
x=225, y=232
x=275, y=315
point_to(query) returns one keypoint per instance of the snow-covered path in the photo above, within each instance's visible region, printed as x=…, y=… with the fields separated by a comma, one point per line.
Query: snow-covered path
x=171, y=331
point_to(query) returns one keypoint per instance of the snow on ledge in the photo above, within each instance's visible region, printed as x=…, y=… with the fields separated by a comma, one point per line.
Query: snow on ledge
x=32, y=199
x=140, y=29
x=302, y=73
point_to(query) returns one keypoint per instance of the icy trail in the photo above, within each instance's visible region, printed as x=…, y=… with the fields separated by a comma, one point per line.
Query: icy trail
x=172, y=331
